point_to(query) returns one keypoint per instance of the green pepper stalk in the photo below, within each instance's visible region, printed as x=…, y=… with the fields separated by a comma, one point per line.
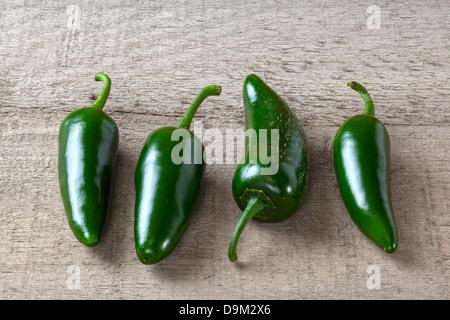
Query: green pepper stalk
x=87, y=147
x=167, y=191
x=269, y=197
x=361, y=153
x=369, y=109
x=104, y=94
x=206, y=92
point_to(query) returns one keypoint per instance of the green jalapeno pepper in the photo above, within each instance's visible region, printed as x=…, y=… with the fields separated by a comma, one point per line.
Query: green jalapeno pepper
x=263, y=194
x=87, y=147
x=361, y=152
x=167, y=185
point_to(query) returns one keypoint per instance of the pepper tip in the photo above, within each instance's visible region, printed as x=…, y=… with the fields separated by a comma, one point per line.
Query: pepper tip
x=391, y=248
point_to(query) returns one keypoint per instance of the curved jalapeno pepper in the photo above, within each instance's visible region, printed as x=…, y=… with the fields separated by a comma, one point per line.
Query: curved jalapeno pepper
x=167, y=186
x=269, y=191
x=361, y=152
x=87, y=147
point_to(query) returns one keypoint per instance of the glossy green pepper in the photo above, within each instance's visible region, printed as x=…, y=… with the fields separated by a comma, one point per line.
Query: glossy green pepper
x=361, y=152
x=87, y=147
x=269, y=195
x=167, y=181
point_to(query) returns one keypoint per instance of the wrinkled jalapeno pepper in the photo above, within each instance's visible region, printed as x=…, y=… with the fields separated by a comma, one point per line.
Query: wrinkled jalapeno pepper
x=268, y=191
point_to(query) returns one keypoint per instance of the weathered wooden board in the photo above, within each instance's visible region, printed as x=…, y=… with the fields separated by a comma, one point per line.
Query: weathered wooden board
x=159, y=54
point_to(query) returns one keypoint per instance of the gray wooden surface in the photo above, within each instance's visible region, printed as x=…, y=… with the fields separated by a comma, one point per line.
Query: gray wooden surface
x=159, y=54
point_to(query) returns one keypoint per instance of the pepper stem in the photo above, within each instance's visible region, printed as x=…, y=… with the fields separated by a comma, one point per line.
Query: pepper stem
x=214, y=90
x=369, y=110
x=101, y=100
x=254, y=206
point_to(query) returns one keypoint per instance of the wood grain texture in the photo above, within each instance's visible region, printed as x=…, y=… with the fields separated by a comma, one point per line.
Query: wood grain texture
x=159, y=54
